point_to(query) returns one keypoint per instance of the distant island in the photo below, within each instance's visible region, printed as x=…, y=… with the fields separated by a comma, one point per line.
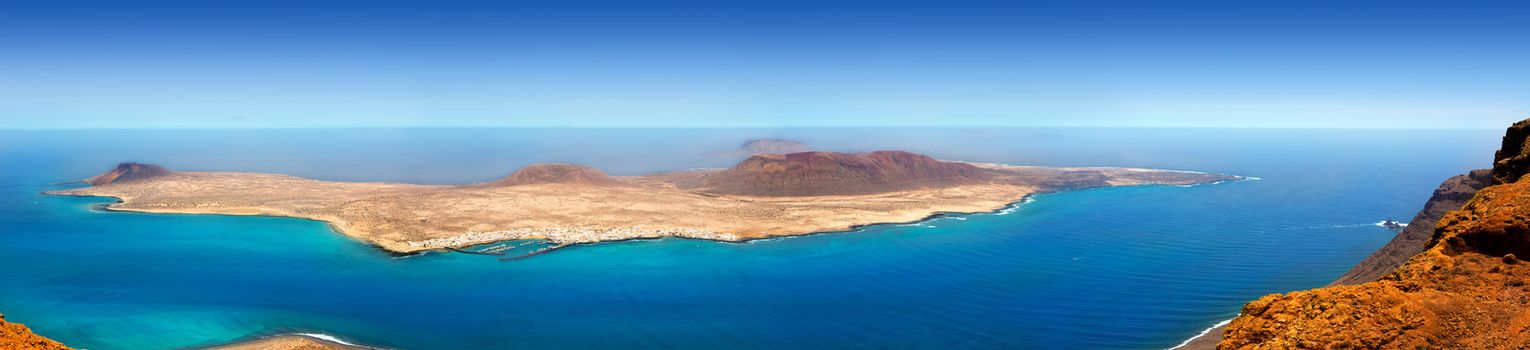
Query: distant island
x=764, y=146
x=766, y=195
x=772, y=146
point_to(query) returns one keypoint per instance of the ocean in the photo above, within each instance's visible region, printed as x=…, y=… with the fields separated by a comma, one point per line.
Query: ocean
x=1113, y=268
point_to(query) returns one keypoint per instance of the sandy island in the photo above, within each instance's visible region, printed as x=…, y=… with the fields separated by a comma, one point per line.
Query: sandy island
x=765, y=196
x=290, y=342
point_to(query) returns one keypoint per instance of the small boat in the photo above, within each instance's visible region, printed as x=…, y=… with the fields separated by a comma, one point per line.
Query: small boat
x=1392, y=225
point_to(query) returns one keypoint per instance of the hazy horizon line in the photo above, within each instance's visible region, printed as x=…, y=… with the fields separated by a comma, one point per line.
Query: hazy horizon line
x=751, y=127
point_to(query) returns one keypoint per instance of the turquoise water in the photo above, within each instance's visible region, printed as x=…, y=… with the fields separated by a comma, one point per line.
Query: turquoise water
x=1136, y=268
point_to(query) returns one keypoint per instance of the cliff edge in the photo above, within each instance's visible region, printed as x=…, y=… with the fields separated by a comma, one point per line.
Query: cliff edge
x=1451, y=195
x=1512, y=161
x=1466, y=290
x=15, y=336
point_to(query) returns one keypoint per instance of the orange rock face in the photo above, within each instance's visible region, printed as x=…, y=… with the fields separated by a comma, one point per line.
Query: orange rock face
x=1468, y=290
x=14, y=336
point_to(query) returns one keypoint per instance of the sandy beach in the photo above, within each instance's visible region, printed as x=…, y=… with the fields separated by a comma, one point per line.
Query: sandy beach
x=290, y=342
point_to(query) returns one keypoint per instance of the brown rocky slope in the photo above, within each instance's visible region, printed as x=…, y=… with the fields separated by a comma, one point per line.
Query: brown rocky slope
x=1466, y=290
x=128, y=172
x=1451, y=195
x=832, y=173
x=14, y=336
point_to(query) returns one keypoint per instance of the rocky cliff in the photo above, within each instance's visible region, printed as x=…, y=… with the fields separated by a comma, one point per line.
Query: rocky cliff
x=128, y=172
x=831, y=173
x=14, y=336
x=1451, y=195
x=1466, y=290
x=1512, y=161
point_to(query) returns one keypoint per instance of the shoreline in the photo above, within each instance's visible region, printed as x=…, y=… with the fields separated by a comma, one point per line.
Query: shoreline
x=1203, y=334
x=340, y=344
x=335, y=229
x=994, y=203
x=109, y=208
x=404, y=220
x=1218, y=324
x=1028, y=198
x=855, y=229
x=294, y=340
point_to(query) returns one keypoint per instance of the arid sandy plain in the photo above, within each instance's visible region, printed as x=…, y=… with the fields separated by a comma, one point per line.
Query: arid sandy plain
x=566, y=204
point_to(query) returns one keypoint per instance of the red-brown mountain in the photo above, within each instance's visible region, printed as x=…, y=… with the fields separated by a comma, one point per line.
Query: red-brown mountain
x=831, y=173
x=127, y=172
x=555, y=173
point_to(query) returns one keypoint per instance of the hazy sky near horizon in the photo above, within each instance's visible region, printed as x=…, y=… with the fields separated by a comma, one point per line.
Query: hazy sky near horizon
x=194, y=64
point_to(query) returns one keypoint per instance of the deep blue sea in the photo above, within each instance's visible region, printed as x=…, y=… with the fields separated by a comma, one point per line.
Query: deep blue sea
x=1116, y=268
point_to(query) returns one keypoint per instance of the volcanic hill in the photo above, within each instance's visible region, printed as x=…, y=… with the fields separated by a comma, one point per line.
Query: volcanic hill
x=830, y=173
x=128, y=172
x=556, y=173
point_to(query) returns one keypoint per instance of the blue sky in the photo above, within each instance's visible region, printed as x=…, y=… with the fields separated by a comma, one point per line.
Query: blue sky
x=216, y=64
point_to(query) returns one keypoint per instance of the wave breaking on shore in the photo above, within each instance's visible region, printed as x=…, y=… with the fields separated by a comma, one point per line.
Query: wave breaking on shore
x=1202, y=333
